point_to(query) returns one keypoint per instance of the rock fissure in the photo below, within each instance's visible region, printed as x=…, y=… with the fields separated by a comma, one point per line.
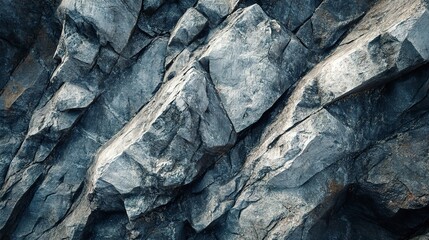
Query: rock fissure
x=203, y=119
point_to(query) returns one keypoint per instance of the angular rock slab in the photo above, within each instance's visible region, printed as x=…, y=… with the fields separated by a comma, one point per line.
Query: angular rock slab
x=163, y=20
x=152, y=5
x=127, y=91
x=364, y=59
x=75, y=45
x=291, y=13
x=19, y=97
x=370, y=59
x=189, y=26
x=303, y=159
x=309, y=154
x=49, y=123
x=398, y=171
x=61, y=184
x=164, y=147
x=17, y=196
x=114, y=20
x=330, y=21
x=244, y=64
x=26, y=78
x=216, y=10
x=276, y=187
x=421, y=237
x=64, y=179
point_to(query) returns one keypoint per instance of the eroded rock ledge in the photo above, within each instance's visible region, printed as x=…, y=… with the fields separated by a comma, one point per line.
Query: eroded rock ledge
x=203, y=119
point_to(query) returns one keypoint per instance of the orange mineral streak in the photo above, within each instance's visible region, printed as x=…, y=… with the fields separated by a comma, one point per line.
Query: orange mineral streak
x=11, y=93
x=24, y=77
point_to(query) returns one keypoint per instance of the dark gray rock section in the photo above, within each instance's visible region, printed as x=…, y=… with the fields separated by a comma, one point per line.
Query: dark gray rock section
x=204, y=119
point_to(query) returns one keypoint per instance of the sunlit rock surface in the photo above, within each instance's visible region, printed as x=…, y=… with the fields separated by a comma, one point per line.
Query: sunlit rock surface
x=203, y=119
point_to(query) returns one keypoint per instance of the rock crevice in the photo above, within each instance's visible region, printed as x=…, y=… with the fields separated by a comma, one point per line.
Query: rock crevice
x=202, y=119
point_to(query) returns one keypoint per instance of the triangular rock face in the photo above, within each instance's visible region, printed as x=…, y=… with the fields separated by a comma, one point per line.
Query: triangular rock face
x=166, y=145
x=201, y=119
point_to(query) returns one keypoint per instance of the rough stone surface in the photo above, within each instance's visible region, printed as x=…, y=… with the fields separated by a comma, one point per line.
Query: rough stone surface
x=216, y=11
x=206, y=119
x=166, y=145
x=258, y=51
x=330, y=21
x=152, y=5
x=111, y=21
x=189, y=26
x=293, y=14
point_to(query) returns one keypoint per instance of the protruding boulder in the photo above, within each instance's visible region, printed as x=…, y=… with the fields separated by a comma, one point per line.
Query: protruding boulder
x=188, y=27
x=113, y=20
x=244, y=64
x=164, y=147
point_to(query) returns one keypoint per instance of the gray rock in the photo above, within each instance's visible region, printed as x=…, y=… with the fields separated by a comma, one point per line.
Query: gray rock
x=11, y=57
x=56, y=192
x=75, y=45
x=389, y=172
x=179, y=63
x=216, y=11
x=67, y=179
x=211, y=119
x=17, y=196
x=270, y=185
x=265, y=188
x=20, y=96
x=107, y=60
x=371, y=59
x=49, y=123
x=25, y=17
x=104, y=230
x=29, y=79
x=113, y=20
x=188, y=27
x=133, y=87
x=214, y=194
x=73, y=225
x=162, y=21
x=421, y=237
x=152, y=5
x=291, y=14
x=330, y=21
x=136, y=44
x=66, y=72
x=295, y=59
x=183, y=123
x=252, y=42
x=294, y=167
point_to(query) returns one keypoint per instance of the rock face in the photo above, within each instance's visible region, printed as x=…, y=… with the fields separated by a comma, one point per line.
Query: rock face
x=229, y=119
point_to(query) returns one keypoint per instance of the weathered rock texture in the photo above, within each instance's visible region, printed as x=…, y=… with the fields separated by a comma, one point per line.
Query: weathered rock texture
x=214, y=119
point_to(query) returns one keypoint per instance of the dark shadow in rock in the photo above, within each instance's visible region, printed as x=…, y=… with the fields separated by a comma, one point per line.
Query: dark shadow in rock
x=359, y=218
x=107, y=226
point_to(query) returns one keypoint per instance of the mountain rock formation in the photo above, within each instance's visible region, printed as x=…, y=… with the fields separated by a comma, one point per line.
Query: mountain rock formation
x=214, y=119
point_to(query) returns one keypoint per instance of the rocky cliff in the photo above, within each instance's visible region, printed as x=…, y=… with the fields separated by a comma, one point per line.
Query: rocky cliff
x=214, y=119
